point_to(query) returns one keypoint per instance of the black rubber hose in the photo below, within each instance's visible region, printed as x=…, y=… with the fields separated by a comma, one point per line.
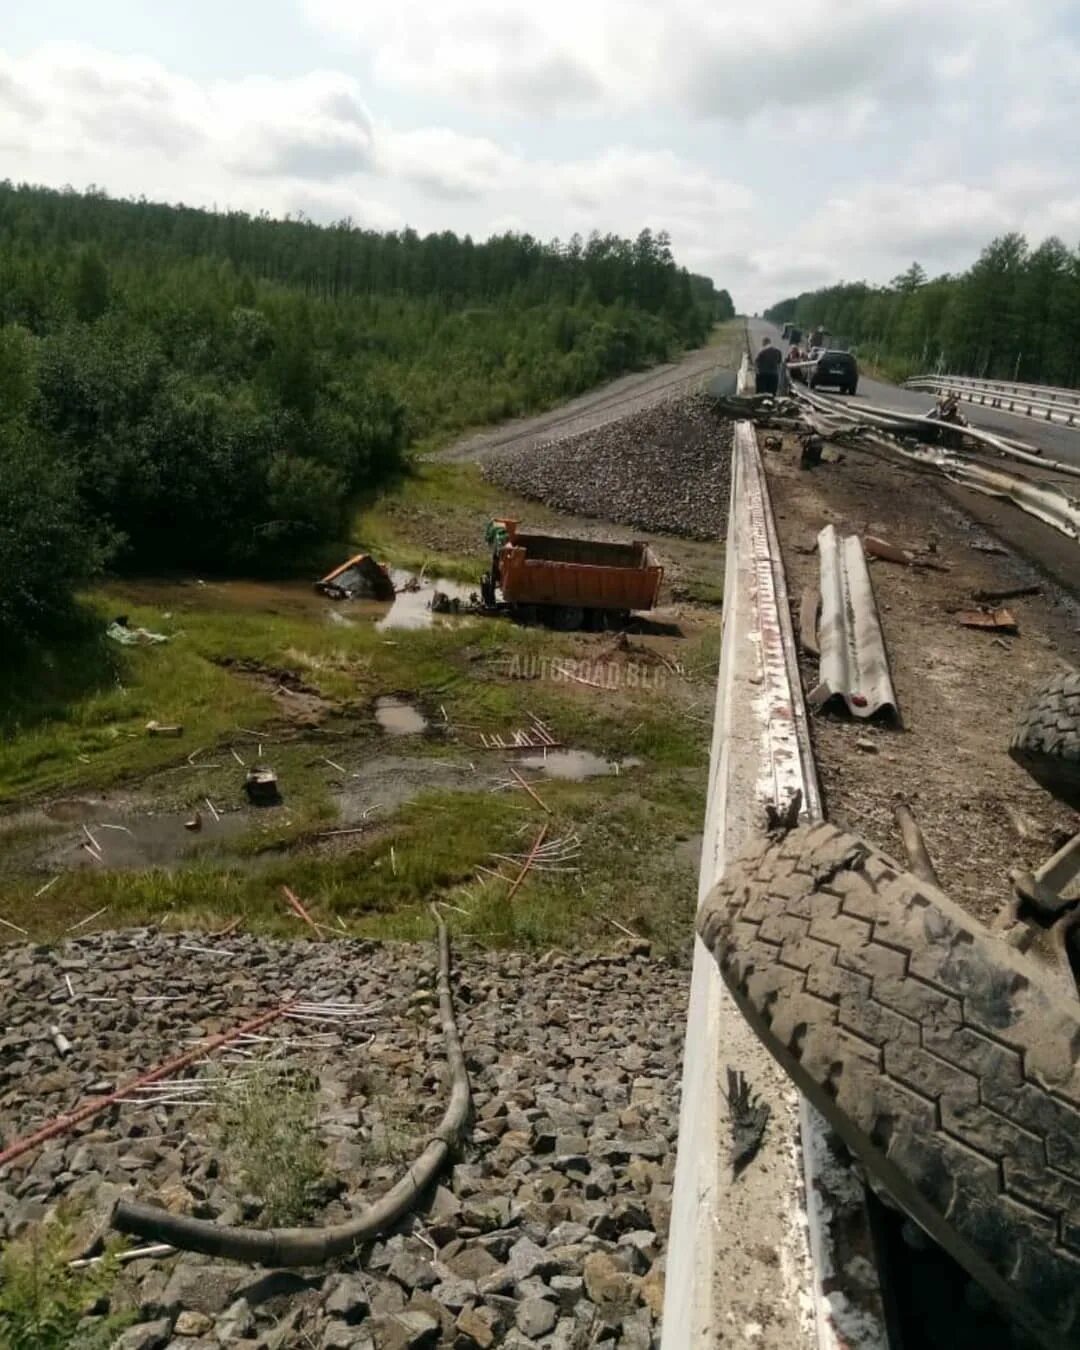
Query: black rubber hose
x=312, y=1246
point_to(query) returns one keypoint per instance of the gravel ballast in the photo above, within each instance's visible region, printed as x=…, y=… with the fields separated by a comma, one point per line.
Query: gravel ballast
x=666, y=468
x=549, y=1231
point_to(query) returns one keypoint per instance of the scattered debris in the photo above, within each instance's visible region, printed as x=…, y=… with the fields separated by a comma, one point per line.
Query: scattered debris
x=297, y=906
x=749, y=1117
x=881, y=548
x=919, y=859
x=88, y=920
x=5, y=923
x=63, y=1045
x=163, y=729
x=212, y=809
x=359, y=578
x=120, y=632
x=812, y=446
x=528, y=788
x=194, y=822
x=1009, y=593
x=528, y=862
x=261, y=786
x=869, y=747
x=999, y=620
x=42, y=889
x=809, y=609
x=782, y=820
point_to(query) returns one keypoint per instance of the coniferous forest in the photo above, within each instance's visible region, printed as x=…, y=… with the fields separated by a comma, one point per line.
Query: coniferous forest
x=1015, y=315
x=182, y=388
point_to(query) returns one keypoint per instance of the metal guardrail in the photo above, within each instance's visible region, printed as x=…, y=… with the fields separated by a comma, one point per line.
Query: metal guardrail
x=1059, y=406
x=854, y=665
x=795, y=1201
x=1047, y=393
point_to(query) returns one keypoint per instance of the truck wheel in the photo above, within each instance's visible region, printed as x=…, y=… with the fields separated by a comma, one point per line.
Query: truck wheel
x=934, y=1050
x=566, y=618
x=1047, y=736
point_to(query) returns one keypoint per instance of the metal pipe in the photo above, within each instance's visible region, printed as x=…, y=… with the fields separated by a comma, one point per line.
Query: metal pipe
x=312, y=1246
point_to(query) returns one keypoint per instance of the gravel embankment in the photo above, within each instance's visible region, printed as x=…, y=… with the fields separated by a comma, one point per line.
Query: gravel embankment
x=666, y=468
x=549, y=1232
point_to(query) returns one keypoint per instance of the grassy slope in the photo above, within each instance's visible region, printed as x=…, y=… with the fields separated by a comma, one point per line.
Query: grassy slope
x=77, y=724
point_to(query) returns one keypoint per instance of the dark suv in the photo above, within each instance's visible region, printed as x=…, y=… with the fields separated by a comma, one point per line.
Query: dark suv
x=835, y=370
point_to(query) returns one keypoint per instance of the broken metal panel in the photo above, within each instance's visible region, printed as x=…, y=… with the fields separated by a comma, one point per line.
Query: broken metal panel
x=1045, y=501
x=854, y=665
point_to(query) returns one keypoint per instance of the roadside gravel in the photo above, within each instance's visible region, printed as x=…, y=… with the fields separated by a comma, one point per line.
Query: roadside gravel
x=549, y=1232
x=664, y=468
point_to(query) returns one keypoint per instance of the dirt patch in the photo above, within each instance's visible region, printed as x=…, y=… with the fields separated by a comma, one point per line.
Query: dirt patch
x=959, y=690
x=301, y=703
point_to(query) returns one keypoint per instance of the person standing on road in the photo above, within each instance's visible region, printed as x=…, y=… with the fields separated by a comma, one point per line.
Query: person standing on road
x=767, y=365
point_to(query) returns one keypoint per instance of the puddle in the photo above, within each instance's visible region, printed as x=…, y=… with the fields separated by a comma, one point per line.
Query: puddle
x=398, y=718
x=411, y=609
x=576, y=765
x=127, y=840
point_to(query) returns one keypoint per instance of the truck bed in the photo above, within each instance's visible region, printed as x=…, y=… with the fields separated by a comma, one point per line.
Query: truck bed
x=545, y=569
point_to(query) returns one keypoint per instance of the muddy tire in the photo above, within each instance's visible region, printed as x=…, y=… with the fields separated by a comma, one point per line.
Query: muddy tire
x=1047, y=737
x=934, y=1050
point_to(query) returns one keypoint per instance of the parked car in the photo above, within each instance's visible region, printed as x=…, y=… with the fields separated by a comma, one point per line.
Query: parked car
x=834, y=370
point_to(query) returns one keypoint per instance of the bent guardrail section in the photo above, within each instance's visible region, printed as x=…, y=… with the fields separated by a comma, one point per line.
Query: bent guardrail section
x=854, y=665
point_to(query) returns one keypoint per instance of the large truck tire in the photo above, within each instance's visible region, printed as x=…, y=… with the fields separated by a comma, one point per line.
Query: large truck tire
x=1047, y=737
x=933, y=1049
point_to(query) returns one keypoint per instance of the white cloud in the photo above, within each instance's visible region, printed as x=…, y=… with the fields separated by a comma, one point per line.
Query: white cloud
x=706, y=58
x=780, y=151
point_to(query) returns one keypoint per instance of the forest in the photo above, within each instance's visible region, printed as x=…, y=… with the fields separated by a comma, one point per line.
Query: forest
x=189, y=389
x=1015, y=314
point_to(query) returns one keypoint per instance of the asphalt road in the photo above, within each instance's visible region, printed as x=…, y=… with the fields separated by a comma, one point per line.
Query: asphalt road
x=1055, y=441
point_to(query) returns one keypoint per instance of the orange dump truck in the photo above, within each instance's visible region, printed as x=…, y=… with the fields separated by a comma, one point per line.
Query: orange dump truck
x=567, y=582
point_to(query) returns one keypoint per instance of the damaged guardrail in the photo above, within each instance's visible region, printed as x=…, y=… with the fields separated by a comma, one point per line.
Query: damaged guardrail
x=854, y=665
x=1043, y=404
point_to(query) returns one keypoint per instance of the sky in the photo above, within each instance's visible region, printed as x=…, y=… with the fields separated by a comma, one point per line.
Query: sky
x=782, y=147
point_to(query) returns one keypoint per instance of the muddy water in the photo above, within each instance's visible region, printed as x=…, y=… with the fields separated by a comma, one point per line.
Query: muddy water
x=411, y=609
x=576, y=765
x=399, y=718
x=128, y=840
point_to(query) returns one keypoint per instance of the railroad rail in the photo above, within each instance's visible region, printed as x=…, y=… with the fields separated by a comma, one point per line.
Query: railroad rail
x=1038, y=402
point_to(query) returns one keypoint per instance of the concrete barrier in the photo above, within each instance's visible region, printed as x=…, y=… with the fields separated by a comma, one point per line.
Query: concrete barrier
x=748, y=1258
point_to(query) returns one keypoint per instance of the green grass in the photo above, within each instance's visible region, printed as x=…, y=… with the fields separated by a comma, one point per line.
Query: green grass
x=74, y=718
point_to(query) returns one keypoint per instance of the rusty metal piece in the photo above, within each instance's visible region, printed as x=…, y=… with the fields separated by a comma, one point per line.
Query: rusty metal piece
x=298, y=908
x=1000, y=620
x=854, y=665
x=528, y=862
x=94, y=1107
x=881, y=548
x=809, y=609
